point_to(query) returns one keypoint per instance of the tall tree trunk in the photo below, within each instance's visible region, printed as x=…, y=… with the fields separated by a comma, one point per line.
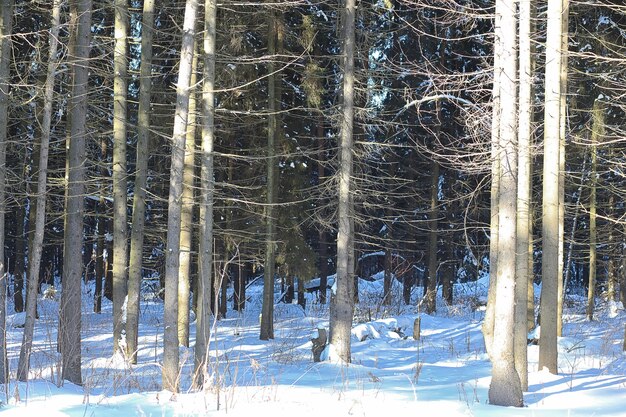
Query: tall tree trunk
x=40, y=202
x=611, y=267
x=267, y=311
x=120, y=241
x=6, y=28
x=505, y=388
x=562, y=129
x=523, y=228
x=141, y=176
x=207, y=186
x=597, y=132
x=488, y=322
x=70, y=314
x=342, y=299
x=186, y=226
x=433, y=214
x=551, y=188
x=170, y=378
x=322, y=244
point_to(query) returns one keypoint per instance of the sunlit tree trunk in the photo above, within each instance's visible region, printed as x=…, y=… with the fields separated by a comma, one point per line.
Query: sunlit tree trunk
x=342, y=299
x=40, y=201
x=186, y=226
x=505, y=388
x=205, y=252
x=120, y=192
x=562, y=130
x=170, y=377
x=488, y=322
x=6, y=27
x=522, y=272
x=141, y=175
x=551, y=188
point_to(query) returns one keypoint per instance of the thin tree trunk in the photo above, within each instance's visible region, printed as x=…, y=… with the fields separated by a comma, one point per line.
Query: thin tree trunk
x=551, y=189
x=267, y=311
x=597, y=132
x=170, y=377
x=205, y=251
x=488, y=322
x=40, y=202
x=120, y=242
x=387, y=280
x=322, y=244
x=342, y=299
x=70, y=314
x=186, y=226
x=523, y=228
x=6, y=28
x=141, y=175
x=562, y=130
x=433, y=214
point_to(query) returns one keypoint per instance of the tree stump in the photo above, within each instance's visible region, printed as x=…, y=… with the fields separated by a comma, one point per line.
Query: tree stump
x=319, y=343
x=417, y=328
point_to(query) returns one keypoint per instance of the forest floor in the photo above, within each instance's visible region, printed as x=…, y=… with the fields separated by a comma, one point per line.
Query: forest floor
x=445, y=373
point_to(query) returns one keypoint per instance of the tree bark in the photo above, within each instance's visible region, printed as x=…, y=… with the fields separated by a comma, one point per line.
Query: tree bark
x=597, y=132
x=141, y=176
x=523, y=228
x=6, y=28
x=120, y=242
x=205, y=256
x=40, y=203
x=267, y=312
x=70, y=314
x=505, y=388
x=488, y=322
x=433, y=214
x=551, y=189
x=186, y=226
x=170, y=377
x=342, y=299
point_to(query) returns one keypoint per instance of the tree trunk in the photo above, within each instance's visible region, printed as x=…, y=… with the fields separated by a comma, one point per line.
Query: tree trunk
x=19, y=265
x=387, y=280
x=205, y=256
x=431, y=292
x=551, y=188
x=342, y=301
x=562, y=128
x=141, y=175
x=170, y=379
x=597, y=132
x=322, y=244
x=186, y=226
x=6, y=28
x=267, y=312
x=120, y=242
x=488, y=322
x=505, y=388
x=70, y=314
x=523, y=228
x=40, y=203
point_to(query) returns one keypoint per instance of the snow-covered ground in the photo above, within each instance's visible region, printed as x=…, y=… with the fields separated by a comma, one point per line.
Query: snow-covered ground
x=445, y=373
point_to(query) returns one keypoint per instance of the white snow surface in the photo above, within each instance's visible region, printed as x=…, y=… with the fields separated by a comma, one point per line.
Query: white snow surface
x=445, y=373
